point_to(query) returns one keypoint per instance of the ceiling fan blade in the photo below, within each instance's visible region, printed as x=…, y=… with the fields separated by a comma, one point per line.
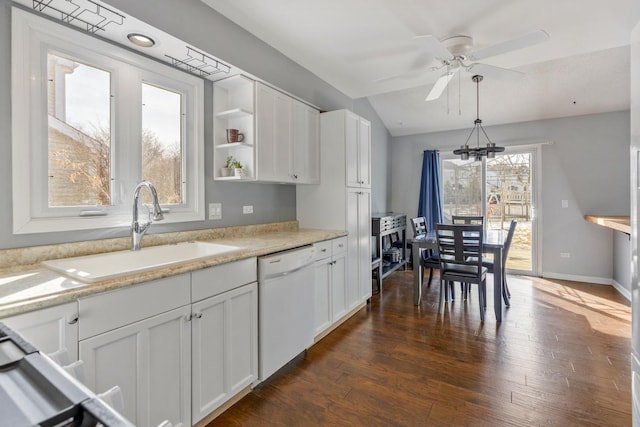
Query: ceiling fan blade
x=434, y=47
x=440, y=85
x=509, y=45
x=495, y=72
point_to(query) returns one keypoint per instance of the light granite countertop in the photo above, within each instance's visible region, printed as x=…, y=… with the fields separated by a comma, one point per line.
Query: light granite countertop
x=25, y=285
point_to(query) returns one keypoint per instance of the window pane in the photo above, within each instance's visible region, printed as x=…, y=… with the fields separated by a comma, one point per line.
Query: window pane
x=461, y=188
x=162, y=142
x=78, y=104
x=509, y=197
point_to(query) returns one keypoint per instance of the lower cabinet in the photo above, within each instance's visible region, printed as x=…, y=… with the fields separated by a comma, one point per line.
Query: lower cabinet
x=178, y=347
x=224, y=348
x=150, y=361
x=331, y=303
x=50, y=329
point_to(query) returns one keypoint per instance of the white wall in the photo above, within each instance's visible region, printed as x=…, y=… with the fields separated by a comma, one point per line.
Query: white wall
x=588, y=165
x=197, y=24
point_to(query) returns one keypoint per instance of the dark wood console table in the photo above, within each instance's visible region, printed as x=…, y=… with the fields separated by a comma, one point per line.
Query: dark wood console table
x=390, y=231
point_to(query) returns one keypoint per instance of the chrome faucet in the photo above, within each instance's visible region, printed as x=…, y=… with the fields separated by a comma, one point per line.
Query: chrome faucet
x=137, y=229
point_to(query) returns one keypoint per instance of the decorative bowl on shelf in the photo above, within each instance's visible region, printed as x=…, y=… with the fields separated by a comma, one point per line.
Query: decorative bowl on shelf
x=227, y=171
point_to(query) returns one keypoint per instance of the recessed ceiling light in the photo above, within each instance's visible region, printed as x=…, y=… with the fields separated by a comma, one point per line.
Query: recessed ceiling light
x=141, y=40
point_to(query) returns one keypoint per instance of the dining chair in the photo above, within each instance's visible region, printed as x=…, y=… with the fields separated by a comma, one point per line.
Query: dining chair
x=506, y=294
x=467, y=219
x=460, y=251
x=427, y=257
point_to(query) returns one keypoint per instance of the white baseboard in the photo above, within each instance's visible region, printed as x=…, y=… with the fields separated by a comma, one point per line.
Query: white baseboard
x=589, y=279
x=622, y=290
x=577, y=278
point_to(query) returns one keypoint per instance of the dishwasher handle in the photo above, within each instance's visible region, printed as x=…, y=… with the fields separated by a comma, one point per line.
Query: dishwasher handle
x=286, y=273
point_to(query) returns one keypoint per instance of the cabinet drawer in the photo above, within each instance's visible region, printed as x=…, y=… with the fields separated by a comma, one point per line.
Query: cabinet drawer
x=323, y=249
x=222, y=278
x=339, y=245
x=110, y=310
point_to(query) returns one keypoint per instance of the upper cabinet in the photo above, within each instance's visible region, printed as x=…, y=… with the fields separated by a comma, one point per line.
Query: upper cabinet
x=274, y=137
x=358, y=150
x=305, y=147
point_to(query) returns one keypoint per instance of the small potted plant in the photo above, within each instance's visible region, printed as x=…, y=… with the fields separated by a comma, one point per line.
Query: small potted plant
x=227, y=170
x=237, y=168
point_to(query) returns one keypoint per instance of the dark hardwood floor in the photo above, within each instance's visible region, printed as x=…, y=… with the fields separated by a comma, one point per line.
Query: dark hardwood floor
x=559, y=358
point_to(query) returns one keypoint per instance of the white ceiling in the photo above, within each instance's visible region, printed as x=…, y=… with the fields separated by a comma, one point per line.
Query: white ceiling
x=582, y=69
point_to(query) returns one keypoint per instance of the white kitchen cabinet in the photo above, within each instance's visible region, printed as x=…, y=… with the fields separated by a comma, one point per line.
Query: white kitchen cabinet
x=150, y=361
x=330, y=283
x=305, y=145
x=49, y=329
x=342, y=200
x=225, y=335
x=359, y=246
x=287, y=131
x=139, y=338
x=233, y=108
x=281, y=134
x=274, y=130
x=358, y=148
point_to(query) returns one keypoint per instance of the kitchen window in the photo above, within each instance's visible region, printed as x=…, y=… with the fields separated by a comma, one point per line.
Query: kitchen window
x=90, y=121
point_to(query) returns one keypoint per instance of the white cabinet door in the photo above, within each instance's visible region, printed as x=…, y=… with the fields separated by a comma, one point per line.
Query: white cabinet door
x=49, y=329
x=353, y=247
x=305, y=146
x=338, y=286
x=151, y=362
x=322, y=285
x=364, y=244
x=358, y=246
x=358, y=151
x=351, y=140
x=364, y=153
x=225, y=348
x=274, y=113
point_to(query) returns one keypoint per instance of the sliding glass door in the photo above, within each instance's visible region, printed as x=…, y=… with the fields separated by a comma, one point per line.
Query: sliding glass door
x=501, y=189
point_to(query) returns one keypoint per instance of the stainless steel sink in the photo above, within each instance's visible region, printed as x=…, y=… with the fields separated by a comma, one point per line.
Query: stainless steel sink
x=94, y=268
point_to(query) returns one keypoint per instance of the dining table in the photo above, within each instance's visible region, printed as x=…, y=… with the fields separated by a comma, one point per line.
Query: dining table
x=492, y=243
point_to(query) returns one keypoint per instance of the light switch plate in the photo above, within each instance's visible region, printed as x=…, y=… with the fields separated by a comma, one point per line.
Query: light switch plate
x=215, y=211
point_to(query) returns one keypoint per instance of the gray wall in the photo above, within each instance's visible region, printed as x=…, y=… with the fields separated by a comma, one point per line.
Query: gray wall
x=197, y=24
x=588, y=165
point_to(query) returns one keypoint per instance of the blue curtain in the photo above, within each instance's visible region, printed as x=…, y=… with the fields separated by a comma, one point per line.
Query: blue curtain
x=430, y=203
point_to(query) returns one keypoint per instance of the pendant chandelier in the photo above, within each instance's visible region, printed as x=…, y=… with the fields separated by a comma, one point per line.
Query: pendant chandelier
x=478, y=152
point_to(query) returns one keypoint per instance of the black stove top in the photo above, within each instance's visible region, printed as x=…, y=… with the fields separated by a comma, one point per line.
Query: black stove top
x=36, y=391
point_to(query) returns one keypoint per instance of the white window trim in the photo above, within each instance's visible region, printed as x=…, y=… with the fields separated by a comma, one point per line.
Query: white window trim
x=31, y=36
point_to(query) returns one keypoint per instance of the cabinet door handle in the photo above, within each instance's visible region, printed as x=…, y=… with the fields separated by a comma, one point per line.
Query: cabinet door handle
x=323, y=250
x=188, y=317
x=73, y=319
x=198, y=315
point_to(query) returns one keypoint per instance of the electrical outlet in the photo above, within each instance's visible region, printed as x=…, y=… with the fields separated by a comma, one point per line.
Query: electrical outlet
x=247, y=209
x=565, y=255
x=565, y=203
x=215, y=210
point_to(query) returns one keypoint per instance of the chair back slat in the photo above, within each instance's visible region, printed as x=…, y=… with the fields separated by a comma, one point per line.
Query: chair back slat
x=466, y=219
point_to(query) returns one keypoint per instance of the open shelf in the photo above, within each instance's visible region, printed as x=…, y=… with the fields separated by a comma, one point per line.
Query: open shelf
x=233, y=113
x=233, y=145
x=234, y=178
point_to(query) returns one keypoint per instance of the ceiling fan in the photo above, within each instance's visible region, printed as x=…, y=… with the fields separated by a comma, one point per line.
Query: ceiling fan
x=457, y=52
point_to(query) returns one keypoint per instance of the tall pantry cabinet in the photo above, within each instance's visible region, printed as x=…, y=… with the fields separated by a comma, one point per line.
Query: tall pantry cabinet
x=342, y=200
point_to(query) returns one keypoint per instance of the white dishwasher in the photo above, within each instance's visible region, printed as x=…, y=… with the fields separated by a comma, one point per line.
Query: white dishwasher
x=286, y=307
